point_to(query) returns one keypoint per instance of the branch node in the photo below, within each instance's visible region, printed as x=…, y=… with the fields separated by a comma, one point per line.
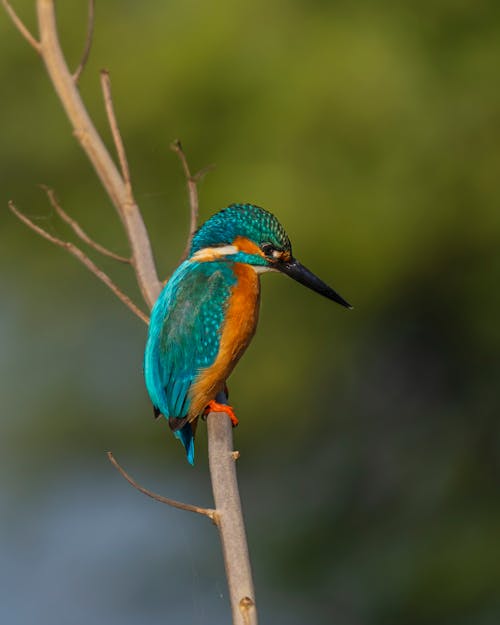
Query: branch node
x=176, y=145
x=80, y=134
x=246, y=604
x=216, y=518
x=235, y=455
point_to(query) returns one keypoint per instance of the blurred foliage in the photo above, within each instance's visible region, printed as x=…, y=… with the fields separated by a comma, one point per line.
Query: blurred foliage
x=370, y=440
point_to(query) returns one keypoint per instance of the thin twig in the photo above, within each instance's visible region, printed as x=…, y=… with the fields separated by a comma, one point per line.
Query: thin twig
x=34, y=43
x=211, y=514
x=88, y=43
x=78, y=230
x=191, y=182
x=202, y=172
x=115, y=131
x=83, y=258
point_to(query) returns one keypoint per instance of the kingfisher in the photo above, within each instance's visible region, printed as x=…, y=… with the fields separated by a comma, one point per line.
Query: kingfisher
x=206, y=315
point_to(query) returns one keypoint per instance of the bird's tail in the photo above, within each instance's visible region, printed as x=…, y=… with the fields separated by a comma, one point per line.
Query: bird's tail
x=185, y=433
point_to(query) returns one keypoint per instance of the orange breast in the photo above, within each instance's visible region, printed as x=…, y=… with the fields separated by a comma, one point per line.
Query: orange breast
x=237, y=332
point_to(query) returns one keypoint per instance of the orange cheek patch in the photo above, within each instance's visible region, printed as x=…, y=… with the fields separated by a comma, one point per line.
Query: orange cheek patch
x=247, y=246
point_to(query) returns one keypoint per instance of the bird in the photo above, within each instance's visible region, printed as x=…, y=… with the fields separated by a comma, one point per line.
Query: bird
x=207, y=313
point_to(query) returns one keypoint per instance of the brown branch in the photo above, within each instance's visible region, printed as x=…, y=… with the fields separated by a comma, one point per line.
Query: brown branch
x=88, y=43
x=21, y=27
x=194, y=205
x=92, y=144
x=192, y=187
x=83, y=258
x=115, y=131
x=222, y=460
x=78, y=230
x=211, y=514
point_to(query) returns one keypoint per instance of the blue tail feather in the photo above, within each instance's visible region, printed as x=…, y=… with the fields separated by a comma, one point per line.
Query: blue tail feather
x=186, y=436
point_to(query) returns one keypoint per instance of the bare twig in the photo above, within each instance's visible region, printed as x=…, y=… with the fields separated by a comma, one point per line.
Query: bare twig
x=191, y=182
x=88, y=43
x=92, y=144
x=78, y=230
x=194, y=205
x=211, y=514
x=115, y=131
x=21, y=27
x=202, y=172
x=83, y=258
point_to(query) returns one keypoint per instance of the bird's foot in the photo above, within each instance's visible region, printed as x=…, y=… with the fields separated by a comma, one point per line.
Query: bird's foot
x=214, y=406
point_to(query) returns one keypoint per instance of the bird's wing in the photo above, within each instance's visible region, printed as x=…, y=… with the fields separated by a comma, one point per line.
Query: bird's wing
x=184, y=333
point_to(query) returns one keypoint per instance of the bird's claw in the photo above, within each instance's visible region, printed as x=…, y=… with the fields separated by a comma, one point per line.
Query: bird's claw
x=214, y=406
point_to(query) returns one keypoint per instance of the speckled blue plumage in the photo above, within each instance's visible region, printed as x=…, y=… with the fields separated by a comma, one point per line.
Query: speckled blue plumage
x=244, y=220
x=184, y=337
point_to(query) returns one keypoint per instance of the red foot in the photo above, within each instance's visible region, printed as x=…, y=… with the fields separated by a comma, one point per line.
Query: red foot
x=214, y=406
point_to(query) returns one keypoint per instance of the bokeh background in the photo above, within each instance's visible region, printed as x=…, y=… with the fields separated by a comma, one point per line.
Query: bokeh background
x=369, y=439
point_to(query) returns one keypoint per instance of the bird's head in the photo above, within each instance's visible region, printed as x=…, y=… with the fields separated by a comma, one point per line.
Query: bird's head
x=249, y=234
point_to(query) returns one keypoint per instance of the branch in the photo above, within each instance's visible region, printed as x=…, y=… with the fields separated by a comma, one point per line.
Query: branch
x=211, y=514
x=83, y=258
x=78, y=230
x=115, y=131
x=88, y=43
x=222, y=460
x=192, y=187
x=92, y=144
x=21, y=27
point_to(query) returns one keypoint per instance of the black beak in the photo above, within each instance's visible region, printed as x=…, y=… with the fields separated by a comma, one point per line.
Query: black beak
x=300, y=273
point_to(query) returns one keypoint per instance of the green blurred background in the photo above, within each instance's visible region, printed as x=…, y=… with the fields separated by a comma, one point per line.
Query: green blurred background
x=369, y=439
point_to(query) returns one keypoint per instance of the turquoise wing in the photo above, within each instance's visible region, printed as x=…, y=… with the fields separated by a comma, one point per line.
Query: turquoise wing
x=184, y=335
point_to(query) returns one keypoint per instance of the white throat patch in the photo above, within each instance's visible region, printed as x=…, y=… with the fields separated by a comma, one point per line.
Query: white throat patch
x=262, y=268
x=213, y=253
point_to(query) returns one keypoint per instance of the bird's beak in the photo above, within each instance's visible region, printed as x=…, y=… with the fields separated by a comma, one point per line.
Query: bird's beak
x=300, y=273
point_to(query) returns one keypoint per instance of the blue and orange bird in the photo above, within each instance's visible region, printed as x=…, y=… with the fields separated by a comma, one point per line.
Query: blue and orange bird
x=207, y=313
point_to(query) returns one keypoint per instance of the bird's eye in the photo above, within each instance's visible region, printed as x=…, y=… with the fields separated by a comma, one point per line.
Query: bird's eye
x=267, y=248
